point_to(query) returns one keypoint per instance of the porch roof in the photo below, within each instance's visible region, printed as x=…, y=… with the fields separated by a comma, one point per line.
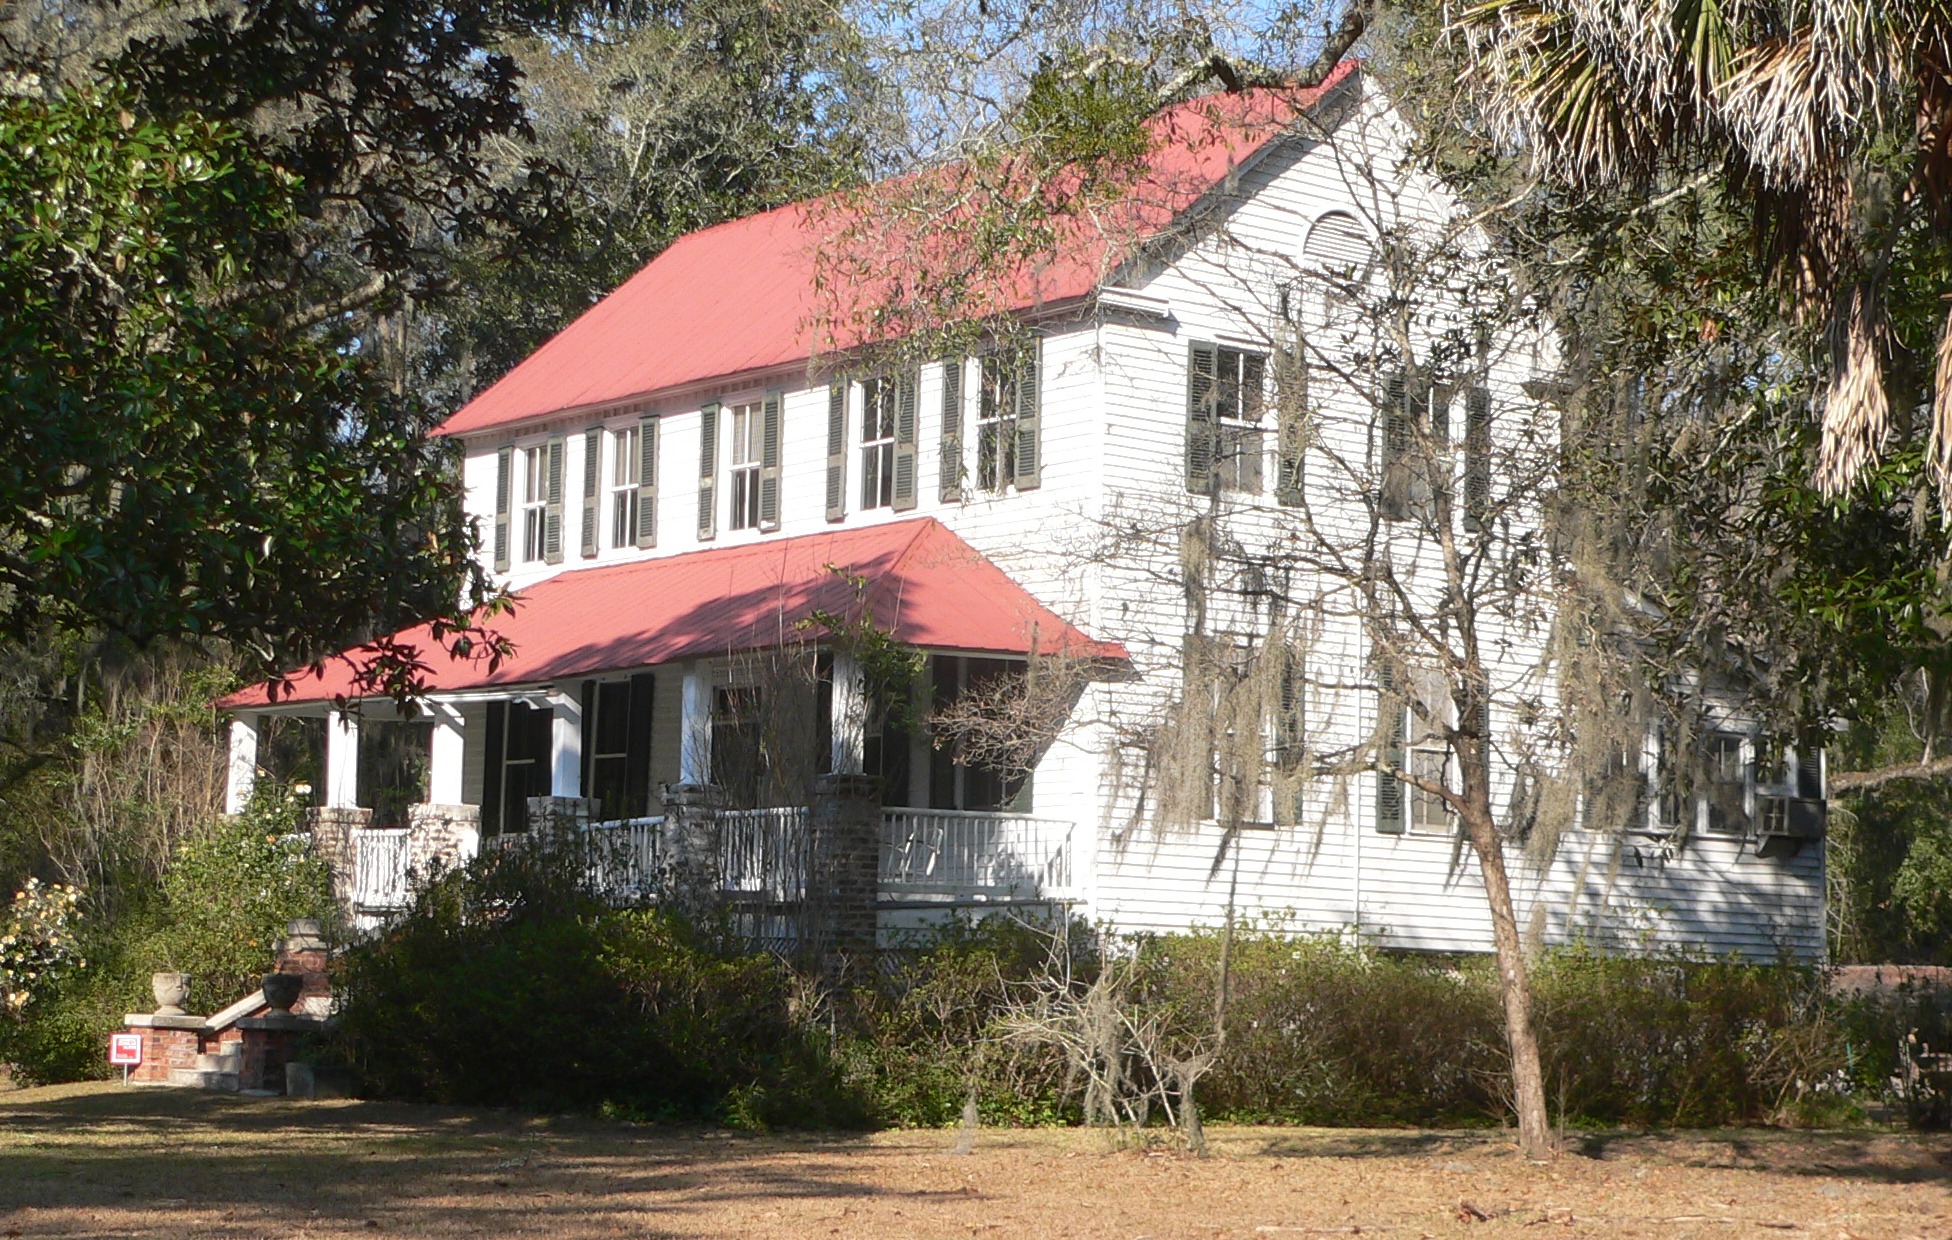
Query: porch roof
x=920, y=581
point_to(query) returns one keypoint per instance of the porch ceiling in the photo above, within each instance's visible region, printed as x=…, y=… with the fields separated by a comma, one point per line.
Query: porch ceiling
x=922, y=582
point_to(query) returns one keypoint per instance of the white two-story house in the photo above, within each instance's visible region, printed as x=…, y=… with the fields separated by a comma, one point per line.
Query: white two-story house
x=686, y=479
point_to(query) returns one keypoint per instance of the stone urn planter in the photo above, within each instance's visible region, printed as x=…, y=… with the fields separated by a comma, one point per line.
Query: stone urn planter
x=281, y=990
x=171, y=990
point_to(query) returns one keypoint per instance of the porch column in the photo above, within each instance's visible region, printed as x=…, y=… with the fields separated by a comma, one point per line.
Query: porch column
x=695, y=726
x=693, y=879
x=341, y=760
x=446, y=755
x=850, y=715
x=242, y=773
x=844, y=879
x=566, y=746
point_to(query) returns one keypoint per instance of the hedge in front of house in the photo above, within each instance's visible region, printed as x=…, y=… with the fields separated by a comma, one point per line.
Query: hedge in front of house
x=507, y=984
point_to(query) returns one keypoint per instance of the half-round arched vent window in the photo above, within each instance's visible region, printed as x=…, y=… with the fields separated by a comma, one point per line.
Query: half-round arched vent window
x=1338, y=258
x=1338, y=264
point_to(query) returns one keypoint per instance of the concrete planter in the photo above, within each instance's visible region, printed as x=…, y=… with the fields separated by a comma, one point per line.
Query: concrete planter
x=171, y=991
x=281, y=990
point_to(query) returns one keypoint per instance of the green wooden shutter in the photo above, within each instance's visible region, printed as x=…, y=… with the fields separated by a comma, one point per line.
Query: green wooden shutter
x=769, y=429
x=836, y=449
x=647, y=482
x=1289, y=737
x=504, y=483
x=586, y=751
x=708, y=471
x=1389, y=789
x=1809, y=769
x=637, y=748
x=906, y=386
x=1029, y=391
x=592, y=457
x=552, y=512
x=1202, y=428
x=1477, y=456
x=1393, y=483
x=492, y=772
x=1291, y=418
x=949, y=473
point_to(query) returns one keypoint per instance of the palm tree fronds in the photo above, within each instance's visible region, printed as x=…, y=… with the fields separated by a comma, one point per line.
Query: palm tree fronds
x=1856, y=414
x=1938, y=453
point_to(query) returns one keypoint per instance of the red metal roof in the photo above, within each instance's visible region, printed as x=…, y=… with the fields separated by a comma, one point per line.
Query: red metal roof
x=742, y=296
x=923, y=583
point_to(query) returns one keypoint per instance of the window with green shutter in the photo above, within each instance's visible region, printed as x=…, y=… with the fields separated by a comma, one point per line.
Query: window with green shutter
x=950, y=469
x=708, y=472
x=504, y=487
x=592, y=487
x=1009, y=420
x=836, y=448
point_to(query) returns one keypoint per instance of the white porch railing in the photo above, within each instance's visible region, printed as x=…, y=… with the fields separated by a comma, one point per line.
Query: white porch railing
x=946, y=853
x=763, y=853
x=379, y=869
x=932, y=854
x=630, y=854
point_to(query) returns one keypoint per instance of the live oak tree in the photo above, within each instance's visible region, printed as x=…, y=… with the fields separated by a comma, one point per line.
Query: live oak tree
x=657, y=120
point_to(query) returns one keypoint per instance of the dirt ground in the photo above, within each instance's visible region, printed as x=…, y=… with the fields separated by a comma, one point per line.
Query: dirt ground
x=102, y=1160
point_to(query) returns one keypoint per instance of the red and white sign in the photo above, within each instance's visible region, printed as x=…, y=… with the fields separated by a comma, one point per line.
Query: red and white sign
x=125, y=1049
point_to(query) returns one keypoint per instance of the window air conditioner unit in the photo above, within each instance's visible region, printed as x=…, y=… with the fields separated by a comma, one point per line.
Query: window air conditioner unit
x=1787, y=822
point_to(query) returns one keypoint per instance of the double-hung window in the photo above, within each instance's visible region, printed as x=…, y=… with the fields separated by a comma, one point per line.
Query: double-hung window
x=1226, y=399
x=878, y=409
x=535, y=501
x=617, y=745
x=996, y=423
x=1009, y=441
x=1240, y=390
x=743, y=469
x=518, y=765
x=626, y=462
x=1726, y=782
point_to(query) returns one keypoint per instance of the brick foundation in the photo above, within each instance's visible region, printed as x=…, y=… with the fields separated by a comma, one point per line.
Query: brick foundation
x=692, y=882
x=844, y=879
x=442, y=835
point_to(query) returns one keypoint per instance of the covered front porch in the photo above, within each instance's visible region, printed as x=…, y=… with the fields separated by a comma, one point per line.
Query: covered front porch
x=709, y=703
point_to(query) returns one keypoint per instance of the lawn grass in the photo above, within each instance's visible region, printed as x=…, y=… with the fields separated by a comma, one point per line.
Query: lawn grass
x=102, y=1160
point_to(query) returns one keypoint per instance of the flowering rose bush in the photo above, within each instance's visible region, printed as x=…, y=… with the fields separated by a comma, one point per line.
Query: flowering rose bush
x=37, y=941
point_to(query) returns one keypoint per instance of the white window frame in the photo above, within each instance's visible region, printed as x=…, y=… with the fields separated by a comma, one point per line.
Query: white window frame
x=1241, y=472
x=746, y=425
x=1714, y=772
x=626, y=461
x=996, y=422
x=879, y=397
x=1426, y=752
x=532, y=506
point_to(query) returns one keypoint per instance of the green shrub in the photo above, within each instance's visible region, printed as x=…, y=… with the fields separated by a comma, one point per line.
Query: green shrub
x=63, y=1034
x=512, y=962
x=230, y=889
x=225, y=896
x=1320, y=1031
x=925, y=1038
x=507, y=983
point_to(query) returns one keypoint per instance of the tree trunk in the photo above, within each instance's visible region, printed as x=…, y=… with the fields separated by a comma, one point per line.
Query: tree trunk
x=1514, y=986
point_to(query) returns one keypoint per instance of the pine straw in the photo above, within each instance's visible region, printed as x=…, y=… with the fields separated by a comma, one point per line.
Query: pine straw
x=101, y=1160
